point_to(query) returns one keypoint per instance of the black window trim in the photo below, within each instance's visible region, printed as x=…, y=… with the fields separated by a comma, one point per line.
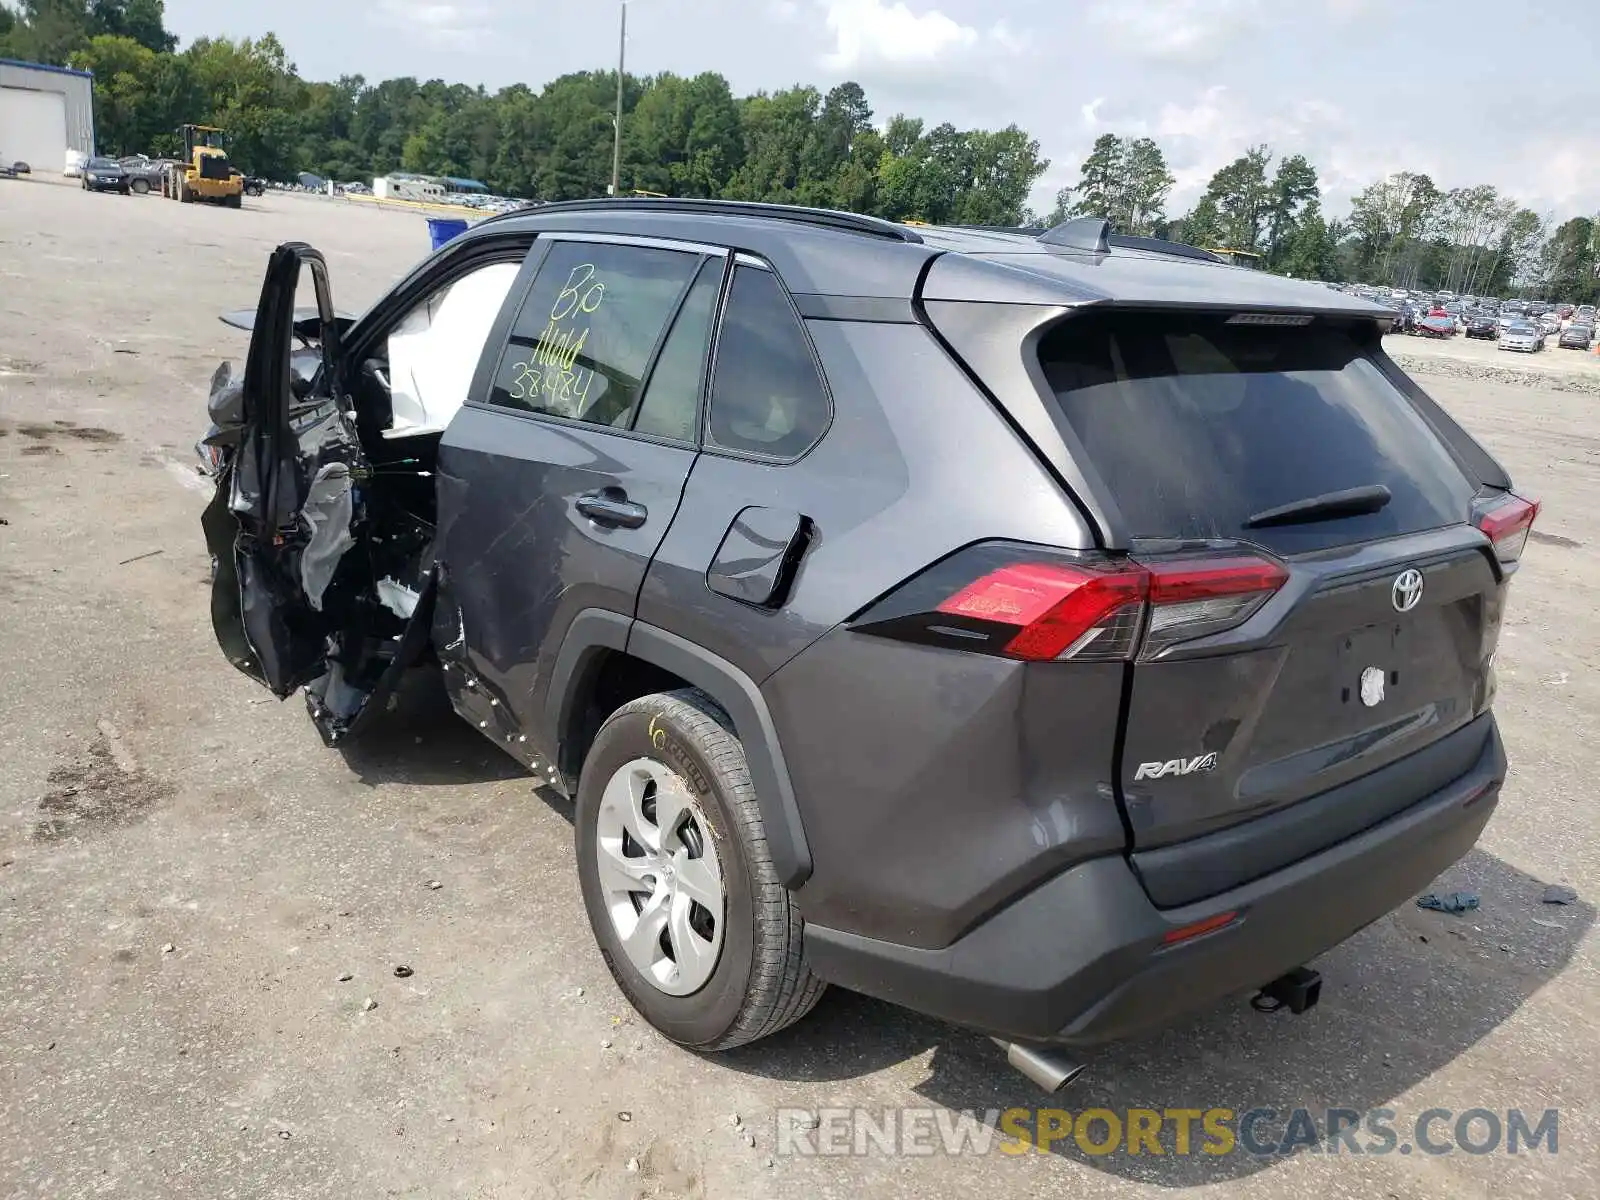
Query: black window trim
x=500, y=337
x=707, y=446
x=701, y=398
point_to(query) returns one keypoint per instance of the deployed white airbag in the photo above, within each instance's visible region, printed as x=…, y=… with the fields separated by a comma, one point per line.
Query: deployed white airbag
x=434, y=351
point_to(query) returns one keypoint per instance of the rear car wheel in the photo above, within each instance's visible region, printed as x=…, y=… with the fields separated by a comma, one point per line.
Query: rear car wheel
x=677, y=879
x=140, y=186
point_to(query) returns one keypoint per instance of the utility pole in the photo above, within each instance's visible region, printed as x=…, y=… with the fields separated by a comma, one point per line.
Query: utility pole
x=616, y=148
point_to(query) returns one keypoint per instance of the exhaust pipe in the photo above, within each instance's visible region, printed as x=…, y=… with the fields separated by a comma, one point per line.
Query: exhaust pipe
x=1043, y=1066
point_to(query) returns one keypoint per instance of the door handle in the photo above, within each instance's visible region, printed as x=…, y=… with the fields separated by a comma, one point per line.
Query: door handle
x=611, y=506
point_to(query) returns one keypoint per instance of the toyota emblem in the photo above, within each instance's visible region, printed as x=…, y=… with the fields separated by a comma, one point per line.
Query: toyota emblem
x=1407, y=590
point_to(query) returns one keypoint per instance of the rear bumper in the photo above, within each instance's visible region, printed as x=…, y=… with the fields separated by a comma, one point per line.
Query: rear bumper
x=1080, y=961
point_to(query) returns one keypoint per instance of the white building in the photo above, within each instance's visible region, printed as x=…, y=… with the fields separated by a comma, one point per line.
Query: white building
x=45, y=114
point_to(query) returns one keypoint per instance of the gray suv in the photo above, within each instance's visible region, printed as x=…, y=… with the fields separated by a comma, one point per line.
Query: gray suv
x=1050, y=633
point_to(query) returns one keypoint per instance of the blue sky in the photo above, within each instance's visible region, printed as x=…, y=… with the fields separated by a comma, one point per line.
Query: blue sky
x=1505, y=92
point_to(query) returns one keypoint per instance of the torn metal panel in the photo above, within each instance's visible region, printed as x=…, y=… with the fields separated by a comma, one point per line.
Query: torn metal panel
x=328, y=514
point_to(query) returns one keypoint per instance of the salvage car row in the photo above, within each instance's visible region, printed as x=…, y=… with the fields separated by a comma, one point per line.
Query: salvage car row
x=1516, y=325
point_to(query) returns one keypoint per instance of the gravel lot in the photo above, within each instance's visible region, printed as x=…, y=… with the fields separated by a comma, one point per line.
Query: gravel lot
x=186, y=874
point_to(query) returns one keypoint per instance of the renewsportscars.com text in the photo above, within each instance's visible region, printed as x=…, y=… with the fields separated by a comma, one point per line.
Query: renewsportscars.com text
x=1261, y=1132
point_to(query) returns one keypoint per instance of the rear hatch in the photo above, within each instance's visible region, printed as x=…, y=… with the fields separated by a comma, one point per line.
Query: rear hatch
x=1322, y=589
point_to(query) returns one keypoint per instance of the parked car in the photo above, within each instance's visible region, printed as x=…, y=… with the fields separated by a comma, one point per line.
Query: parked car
x=1549, y=324
x=846, y=694
x=1482, y=325
x=104, y=175
x=144, y=174
x=1522, y=335
x=1576, y=337
x=1437, y=325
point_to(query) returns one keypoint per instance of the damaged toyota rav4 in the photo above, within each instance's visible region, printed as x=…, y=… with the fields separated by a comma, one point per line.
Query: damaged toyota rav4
x=1052, y=634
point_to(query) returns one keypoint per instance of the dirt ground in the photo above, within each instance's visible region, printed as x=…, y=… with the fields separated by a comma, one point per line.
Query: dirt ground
x=187, y=876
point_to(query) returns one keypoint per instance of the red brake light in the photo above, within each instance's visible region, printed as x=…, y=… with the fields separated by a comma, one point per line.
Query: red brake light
x=1060, y=611
x=1018, y=601
x=1507, y=526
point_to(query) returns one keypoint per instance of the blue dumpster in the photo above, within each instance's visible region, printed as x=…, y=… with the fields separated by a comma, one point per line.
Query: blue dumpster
x=442, y=229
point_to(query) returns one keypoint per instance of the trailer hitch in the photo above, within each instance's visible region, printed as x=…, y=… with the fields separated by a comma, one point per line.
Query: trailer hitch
x=1298, y=991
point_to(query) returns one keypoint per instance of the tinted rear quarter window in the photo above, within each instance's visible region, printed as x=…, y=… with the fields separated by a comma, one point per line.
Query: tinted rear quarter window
x=1196, y=425
x=766, y=395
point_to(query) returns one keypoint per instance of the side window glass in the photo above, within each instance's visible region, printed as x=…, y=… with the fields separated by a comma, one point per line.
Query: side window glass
x=587, y=331
x=767, y=397
x=432, y=354
x=671, y=403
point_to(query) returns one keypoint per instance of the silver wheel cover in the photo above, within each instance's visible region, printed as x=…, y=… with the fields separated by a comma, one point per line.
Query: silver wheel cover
x=660, y=877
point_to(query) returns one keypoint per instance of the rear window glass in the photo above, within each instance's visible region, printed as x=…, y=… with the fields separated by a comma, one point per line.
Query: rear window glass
x=1196, y=425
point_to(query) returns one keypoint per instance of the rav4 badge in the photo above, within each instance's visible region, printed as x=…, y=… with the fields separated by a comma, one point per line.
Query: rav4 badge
x=1176, y=766
x=1372, y=687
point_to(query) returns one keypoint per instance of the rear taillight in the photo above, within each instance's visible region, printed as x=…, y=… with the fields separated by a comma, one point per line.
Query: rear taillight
x=1057, y=611
x=1022, y=603
x=1191, y=598
x=1507, y=526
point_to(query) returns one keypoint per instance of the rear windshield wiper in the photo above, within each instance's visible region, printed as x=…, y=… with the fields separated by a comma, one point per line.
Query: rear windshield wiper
x=1352, y=502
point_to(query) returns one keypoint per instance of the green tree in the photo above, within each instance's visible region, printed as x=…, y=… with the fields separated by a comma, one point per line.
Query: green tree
x=844, y=115
x=251, y=90
x=142, y=20
x=48, y=31
x=1389, y=218
x=1567, y=262
x=777, y=129
x=1201, y=226
x=1516, y=256
x=1099, y=183
x=1294, y=191
x=125, y=111
x=1311, y=248
x=1242, y=197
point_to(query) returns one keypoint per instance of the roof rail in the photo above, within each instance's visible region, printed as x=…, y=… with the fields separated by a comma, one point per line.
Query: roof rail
x=1130, y=241
x=822, y=217
x=1094, y=235
x=1080, y=233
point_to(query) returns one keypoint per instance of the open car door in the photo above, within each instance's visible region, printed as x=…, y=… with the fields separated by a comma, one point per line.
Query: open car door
x=295, y=583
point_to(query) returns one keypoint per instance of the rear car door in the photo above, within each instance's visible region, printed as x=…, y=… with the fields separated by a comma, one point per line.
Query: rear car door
x=559, y=478
x=1322, y=583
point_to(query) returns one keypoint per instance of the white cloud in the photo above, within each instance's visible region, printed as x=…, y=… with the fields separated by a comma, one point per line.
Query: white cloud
x=873, y=35
x=452, y=26
x=1177, y=32
x=1091, y=112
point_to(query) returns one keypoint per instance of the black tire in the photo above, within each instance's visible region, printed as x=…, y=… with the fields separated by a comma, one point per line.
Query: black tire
x=761, y=983
x=140, y=186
